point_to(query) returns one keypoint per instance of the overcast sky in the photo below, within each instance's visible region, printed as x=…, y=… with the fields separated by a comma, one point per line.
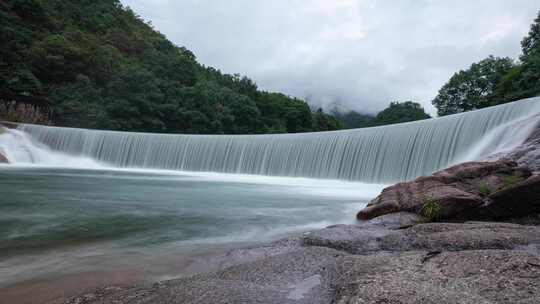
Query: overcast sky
x=360, y=53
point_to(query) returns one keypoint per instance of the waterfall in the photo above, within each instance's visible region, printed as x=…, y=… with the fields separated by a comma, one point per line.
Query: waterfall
x=374, y=155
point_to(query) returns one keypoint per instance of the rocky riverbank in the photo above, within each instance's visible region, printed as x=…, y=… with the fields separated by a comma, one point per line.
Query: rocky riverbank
x=391, y=259
x=466, y=234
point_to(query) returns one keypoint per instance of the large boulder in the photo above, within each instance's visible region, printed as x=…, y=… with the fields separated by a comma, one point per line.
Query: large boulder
x=469, y=190
x=3, y=159
x=522, y=198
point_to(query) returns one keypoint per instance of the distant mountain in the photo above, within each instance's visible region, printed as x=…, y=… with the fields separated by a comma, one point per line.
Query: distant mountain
x=396, y=112
x=352, y=119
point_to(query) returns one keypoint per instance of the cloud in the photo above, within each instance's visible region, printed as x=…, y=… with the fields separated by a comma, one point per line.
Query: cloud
x=362, y=54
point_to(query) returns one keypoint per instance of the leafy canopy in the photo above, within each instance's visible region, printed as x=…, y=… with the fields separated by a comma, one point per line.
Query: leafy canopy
x=494, y=80
x=102, y=66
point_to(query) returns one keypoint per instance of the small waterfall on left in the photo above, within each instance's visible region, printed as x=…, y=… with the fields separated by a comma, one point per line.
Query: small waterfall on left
x=19, y=148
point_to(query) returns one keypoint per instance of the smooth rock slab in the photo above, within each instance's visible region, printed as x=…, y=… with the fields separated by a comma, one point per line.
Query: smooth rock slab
x=301, y=276
x=476, y=277
x=429, y=237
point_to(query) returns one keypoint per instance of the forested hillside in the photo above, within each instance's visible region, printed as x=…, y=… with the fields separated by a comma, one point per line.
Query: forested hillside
x=102, y=66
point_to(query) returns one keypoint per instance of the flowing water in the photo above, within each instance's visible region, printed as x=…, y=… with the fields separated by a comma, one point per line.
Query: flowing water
x=375, y=155
x=76, y=200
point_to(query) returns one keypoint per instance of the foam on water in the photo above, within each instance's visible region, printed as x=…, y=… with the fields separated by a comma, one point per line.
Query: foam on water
x=20, y=149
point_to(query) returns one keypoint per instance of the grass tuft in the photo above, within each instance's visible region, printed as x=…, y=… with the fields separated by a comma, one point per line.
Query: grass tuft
x=431, y=209
x=484, y=190
x=511, y=180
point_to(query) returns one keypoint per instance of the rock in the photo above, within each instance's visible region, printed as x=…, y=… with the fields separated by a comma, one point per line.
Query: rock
x=461, y=236
x=348, y=238
x=304, y=275
x=459, y=192
x=8, y=124
x=528, y=153
x=368, y=263
x=3, y=159
x=520, y=199
x=430, y=236
x=398, y=220
x=476, y=276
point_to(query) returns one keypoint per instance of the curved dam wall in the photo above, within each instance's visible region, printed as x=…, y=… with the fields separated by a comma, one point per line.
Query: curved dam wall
x=373, y=155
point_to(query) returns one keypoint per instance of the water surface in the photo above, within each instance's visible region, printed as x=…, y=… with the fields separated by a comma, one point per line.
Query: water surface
x=62, y=220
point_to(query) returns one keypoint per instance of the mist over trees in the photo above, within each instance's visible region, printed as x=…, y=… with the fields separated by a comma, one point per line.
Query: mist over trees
x=396, y=112
x=351, y=119
x=494, y=80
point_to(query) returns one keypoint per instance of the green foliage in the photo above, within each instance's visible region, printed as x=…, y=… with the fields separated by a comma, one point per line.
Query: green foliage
x=511, y=180
x=398, y=112
x=24, y=81
x=102, y=66
x=431, y=210
x=473, y=88
x=325, y=122
x=352, y=119
x=494, y=80
x=484, y=190
x=531, y=43
x=81, y=105
x=55, y=59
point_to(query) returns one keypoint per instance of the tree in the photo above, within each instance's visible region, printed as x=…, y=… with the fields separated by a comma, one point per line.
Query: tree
x=472, y=89
x=79, y=105
x=531, y=43
x=494, y=80
x=352, y=119
x=524, y=79
x=55, y=59
x=325, y=122
x=528, y=82
x=133, y=101
x=24, y=82
x=103, y=66
x=398, y=112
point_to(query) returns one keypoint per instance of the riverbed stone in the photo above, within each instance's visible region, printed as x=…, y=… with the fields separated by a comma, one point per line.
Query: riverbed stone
x=474, y=276
x=464, y=191
x=3, y=159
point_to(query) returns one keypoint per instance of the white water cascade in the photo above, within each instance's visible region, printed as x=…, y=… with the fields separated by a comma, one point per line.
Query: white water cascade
x=372, y=155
